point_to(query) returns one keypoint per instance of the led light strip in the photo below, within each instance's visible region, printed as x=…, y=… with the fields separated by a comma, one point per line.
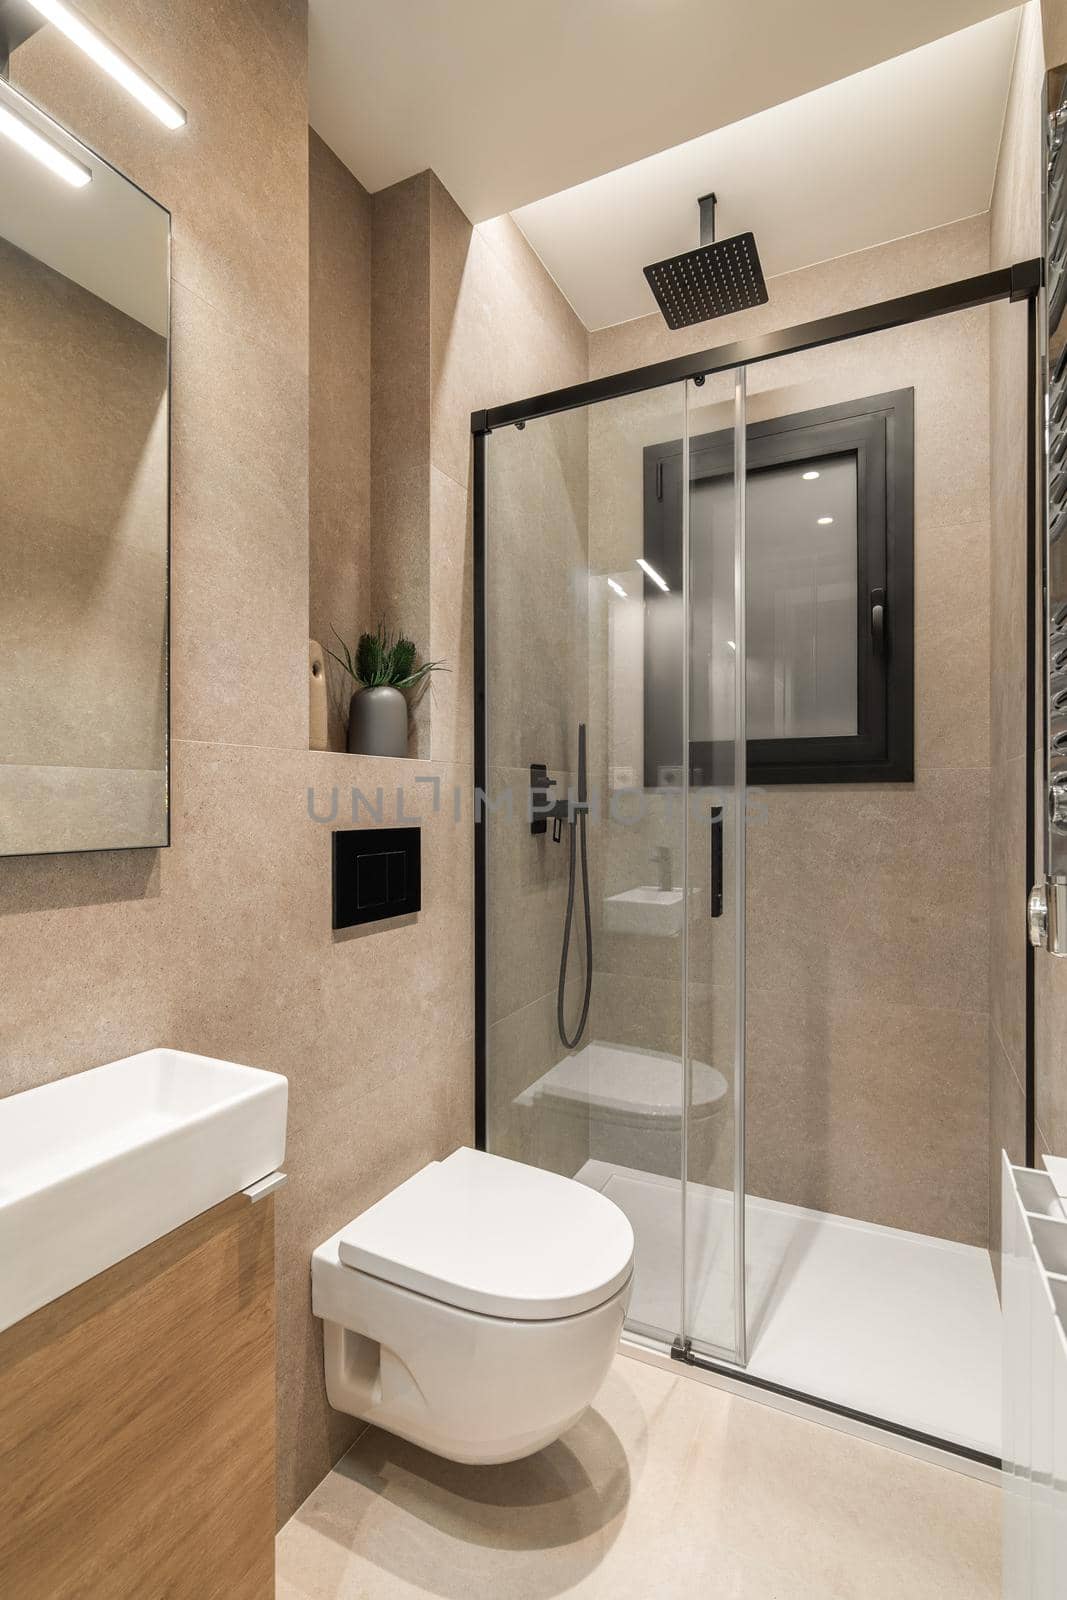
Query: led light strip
x=81, y=33
x=43, y=150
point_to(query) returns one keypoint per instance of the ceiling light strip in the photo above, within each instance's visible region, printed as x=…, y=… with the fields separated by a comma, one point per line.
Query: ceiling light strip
x=81, y=33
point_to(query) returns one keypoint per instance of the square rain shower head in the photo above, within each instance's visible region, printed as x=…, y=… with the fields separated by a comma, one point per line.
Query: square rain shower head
x=711, y=281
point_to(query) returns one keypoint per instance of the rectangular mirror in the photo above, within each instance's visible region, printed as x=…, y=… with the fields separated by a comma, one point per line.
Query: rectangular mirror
x=84, y=496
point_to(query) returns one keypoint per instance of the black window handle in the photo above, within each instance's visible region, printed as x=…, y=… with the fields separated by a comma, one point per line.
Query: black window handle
x=715, y=886
x=878, y=621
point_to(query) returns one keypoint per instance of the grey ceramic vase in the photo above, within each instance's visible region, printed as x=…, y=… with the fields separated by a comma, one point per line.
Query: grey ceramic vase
x=378, y=722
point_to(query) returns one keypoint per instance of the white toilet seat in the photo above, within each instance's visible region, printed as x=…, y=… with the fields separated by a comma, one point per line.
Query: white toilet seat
x=530, y=1285
x=496, y=1237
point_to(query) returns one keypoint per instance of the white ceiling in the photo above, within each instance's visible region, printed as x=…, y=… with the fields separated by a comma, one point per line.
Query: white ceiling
x=512, y=100
x=899, y=148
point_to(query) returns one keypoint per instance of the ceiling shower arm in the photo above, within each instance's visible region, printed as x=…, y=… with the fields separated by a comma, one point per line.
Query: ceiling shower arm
x=707, y=219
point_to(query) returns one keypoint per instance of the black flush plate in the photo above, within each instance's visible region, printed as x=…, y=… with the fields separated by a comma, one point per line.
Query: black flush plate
x=377, y=874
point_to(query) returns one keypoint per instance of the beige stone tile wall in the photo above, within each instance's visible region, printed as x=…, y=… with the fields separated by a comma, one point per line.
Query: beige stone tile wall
x=1052, y=21
x=510, y=326
x=462, y=318
x=867, y=907
x=400, y=422
x=342, y=571
x=465, y=318
x=223, y=942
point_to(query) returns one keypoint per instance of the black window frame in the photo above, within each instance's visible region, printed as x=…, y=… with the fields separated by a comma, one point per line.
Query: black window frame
x=879, y=432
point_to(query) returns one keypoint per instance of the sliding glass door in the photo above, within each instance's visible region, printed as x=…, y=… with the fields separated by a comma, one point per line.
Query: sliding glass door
x=713, y=1216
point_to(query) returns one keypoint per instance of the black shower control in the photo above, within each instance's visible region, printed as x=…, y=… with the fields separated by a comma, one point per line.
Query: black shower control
x=540, y=784
x=377, y=873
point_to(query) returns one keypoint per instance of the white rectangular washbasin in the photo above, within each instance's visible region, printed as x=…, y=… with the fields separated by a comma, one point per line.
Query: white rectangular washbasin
x=96, y=1166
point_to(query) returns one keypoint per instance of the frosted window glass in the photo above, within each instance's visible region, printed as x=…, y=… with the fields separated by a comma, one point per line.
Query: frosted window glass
x=801, y=601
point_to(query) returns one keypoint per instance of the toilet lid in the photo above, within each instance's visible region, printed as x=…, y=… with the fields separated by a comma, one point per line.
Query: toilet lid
x=495, y=1236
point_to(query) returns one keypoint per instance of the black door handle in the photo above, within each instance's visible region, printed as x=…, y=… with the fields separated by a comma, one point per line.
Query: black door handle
x=878, y=621
x=715, y=885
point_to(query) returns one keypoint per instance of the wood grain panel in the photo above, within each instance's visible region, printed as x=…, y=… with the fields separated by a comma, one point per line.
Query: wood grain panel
x=137, y=1425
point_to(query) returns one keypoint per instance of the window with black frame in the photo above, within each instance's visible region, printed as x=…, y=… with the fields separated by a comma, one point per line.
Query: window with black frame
x=829, y=529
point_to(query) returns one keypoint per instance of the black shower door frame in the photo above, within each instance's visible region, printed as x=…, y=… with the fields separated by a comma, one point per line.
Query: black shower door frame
x=1024, y=281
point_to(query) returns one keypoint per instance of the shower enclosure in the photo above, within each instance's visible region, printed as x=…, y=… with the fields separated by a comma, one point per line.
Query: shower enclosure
x=730, y=957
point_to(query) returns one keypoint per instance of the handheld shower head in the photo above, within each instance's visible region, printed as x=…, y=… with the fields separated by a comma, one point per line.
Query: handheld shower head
x=711, y=281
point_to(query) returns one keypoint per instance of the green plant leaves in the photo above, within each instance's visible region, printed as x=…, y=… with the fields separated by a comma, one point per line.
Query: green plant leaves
x=383, y=658
x=402, y=663
x=372, y=652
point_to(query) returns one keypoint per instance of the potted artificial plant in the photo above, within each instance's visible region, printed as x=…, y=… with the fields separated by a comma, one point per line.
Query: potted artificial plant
x=383, y=667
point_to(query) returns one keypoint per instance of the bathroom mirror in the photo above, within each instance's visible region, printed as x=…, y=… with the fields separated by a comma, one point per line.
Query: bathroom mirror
x=84, y=496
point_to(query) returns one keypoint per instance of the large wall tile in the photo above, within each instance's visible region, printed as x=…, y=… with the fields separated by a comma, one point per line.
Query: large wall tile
x=462, y=354
x=952, y=628
x=1008, y=890
x=451, y=637
x=876, y=892
x=400, y=420
x=502, y=329
x=1054, y=25
x=339, y=394
x=537, y=586
x=373, y=1027
x=1007, y=478
x=527, y=894
x=85, y=962
x=870, y=1110
x=239, y=538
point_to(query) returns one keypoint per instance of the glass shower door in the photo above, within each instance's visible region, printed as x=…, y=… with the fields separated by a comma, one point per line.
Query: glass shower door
x=585, y=925
x=713, y=1213
x=614, y=856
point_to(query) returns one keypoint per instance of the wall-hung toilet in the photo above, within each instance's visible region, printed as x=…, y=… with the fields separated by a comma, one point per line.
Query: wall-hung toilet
x=476, y=1309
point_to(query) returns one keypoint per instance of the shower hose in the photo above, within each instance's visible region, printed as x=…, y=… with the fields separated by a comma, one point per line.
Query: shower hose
x=575, y=826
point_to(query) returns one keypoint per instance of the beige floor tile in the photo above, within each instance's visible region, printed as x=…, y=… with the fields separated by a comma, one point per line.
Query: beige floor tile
x=667, y=1487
